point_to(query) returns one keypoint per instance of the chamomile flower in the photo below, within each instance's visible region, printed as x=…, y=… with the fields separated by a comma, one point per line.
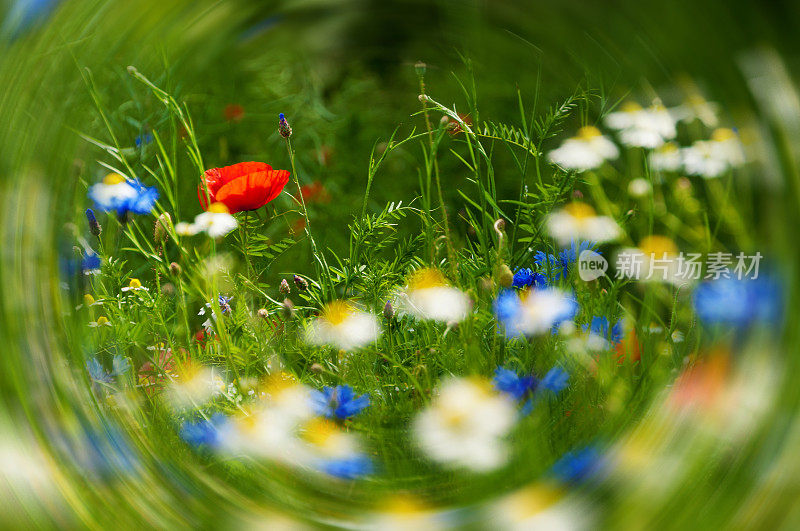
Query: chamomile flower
x=585, y=151
x=696, y=107
x=711, y=158
x=578, y=221
x=638, y=127
x=655, y=260
x=134, y=285
x=465, y=425
x=540, y=506
x=216, y=222
x=666, y=158
x=194, y=386
x=101, y=321
x=341, y=324
x=533, y=312
x=89, y=301
x=429, y=296
x=117, y=193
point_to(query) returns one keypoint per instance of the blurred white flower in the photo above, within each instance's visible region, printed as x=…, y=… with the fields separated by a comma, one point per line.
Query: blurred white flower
x=465, y=425
x=194, y=386
x=657, y=259
x=540, y=506
x=341, y=324
x=639, y=187
x=533, y=311
x=428, y=296
x=216, y=222
x=712, y=158
x=696, y=108
x=638, y=127
x=585, y=151
x=578, y=221
x=666, y=158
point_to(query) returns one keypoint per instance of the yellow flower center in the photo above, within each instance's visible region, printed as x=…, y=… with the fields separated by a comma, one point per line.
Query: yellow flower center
x=113, y=178
x=102, y=320
x=658, y=246
x=336, y=312
x=631, y=106
x=534, y=499
x=278, y=382
x=669, y=147
x=218, y=208
x=135, y=284
x=588, y=132
x=88, y=299
x=722, y=134
x=579, y=210
x=426, y=278
x=403, y=506
x=319, y=431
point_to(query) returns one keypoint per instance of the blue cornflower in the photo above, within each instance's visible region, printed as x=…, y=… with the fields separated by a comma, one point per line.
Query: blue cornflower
x=555, y=380
x=204, y=432
x=509, y=382
x=526, y=277
x=90, y=264
x=123, y=196
x=577, y=466
x=559, y=265
x=119, y=365
x=738, y=302
x=507, y=306
x=600, y=327
x=338, y=402
x=225, y=304
x=346, y=467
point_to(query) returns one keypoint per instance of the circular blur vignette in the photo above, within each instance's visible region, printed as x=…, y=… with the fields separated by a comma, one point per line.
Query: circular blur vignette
x=399, y=265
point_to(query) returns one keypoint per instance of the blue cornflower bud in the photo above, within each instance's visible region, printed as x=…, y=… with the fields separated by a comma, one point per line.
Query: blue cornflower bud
x=94, y=226
x=284, y=128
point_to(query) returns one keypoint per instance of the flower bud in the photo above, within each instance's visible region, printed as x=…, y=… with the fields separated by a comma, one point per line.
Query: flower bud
x=388, y=311
x=316, y=368
x=423, y=98
x=162, y=228
x=420, y=68
x=168, y=289
x=174, y=268
x=94, y=226
x=284, y=128
x=284, y=287
x=263, y=313
x=505, y=277
x=287, y=308
x=301, y=283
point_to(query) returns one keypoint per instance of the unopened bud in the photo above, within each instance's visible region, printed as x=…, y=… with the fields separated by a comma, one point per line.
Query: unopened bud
x=284, y=287
x=577, y=194
x=168, y=289
x=316, y=368
x=263, y=313
x=175, y=268
x=161, y=230
x=505, y=277
x=284, y=128
x=445, y=120
x=301, y=283
x=94, y=226
x=420, y=68
x=388, y=311
x=423, y=98
x=287, y=308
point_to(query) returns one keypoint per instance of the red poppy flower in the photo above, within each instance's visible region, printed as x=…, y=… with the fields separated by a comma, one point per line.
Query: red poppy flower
x=243, y=186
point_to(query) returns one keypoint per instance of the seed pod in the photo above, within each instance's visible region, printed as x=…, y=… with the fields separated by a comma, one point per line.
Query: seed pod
x=284, y=287
x=174, y=268
x=301, y=283
x=162, y=227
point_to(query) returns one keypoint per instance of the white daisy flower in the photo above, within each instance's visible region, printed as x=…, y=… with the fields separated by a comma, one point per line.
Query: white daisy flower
x=134, y=285
x=655, y=260
x=711, y=158
x=638, y=127
x=343, y=326
x=696, y=108
x=216, y=222
x=194, y=386
x=89, y=301
x=541, y=506
x=666, y=158
x=101, y=321
x=428, y=296
x=578, y=221
x=465, y=425
x=585, y=151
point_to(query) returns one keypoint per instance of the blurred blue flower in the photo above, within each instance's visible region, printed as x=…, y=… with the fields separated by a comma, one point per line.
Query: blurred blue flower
x=204, y=432
x=347, y=467
x=509, y=382
x=124, y=196
x=558, y=266
x=578, y=465
x=338, y=402
x=600, y=326
x=25, y=13
x=555, y=380
x=97, y=372
x=90, y=264
x=507, y=305
x=143, y=139
x=739, y=302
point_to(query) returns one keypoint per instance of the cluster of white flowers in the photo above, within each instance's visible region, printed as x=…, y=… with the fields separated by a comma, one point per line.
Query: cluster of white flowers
x=639, y=127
